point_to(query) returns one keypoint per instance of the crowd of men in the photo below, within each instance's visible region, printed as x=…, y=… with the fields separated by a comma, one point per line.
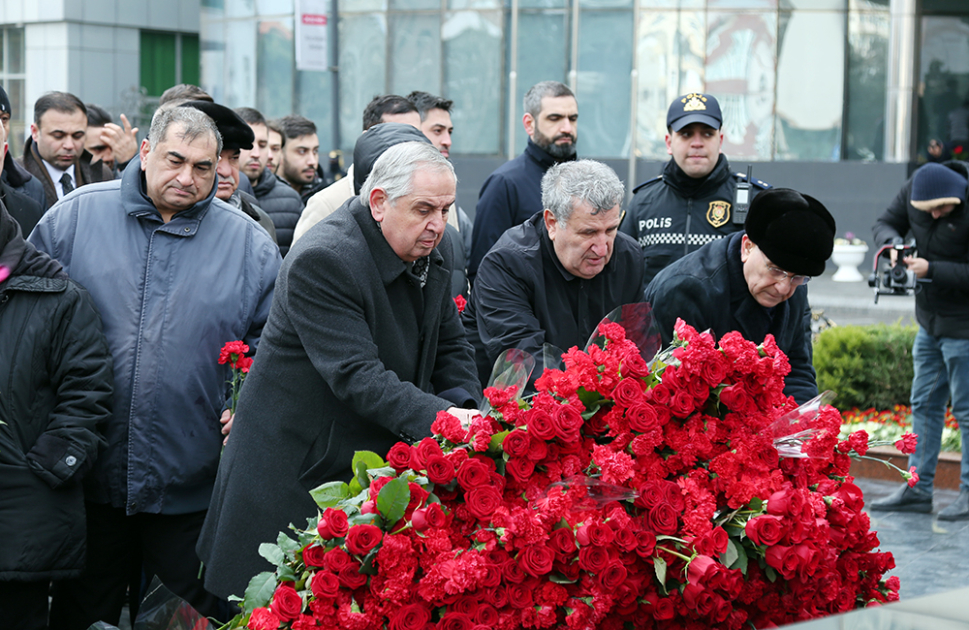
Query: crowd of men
x=125, y=267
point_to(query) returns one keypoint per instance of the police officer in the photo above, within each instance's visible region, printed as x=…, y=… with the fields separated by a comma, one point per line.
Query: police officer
x=694, y=201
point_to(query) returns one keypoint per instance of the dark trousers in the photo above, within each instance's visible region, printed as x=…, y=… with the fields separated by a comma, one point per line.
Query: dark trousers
x=23, y=605
x=125, y=552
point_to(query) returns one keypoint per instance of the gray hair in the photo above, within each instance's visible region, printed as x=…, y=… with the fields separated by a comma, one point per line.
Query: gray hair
x=532, y=103
x=393, y=172
x=195, y=123
x=569, y=183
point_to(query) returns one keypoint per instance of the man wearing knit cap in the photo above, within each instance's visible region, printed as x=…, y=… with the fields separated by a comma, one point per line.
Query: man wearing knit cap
x=753, y=282
x=932, y=205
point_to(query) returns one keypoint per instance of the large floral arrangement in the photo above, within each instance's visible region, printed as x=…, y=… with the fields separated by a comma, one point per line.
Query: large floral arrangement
x=686, y=493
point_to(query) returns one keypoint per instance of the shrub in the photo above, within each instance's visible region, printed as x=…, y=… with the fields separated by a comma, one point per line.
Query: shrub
x=866, y=366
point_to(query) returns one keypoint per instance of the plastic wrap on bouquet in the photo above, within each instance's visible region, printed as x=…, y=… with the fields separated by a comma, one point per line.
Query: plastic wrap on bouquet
x=640, y=327
x=793, y=429
x=163, y=610
x=512, y=369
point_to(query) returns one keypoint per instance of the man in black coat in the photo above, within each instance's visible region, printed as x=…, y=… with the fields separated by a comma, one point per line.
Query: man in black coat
x=693, y=202
x=25, y=210
x=362, y=349
x=553, y=278
x=753, y=282
x=56, y=395
x=932, y=205
x=513, y=192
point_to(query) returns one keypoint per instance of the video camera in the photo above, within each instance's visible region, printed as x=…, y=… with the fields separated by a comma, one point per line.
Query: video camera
x=893, y=279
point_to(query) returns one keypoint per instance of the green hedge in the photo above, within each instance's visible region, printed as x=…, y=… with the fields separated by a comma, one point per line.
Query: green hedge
x=866, y=366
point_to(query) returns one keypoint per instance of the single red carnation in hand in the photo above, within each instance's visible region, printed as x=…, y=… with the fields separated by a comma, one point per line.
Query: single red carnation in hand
x=460, y=302
x=362, y=538
x=232, y=352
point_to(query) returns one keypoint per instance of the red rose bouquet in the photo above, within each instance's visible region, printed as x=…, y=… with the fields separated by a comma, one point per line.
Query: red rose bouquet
x=685, y=493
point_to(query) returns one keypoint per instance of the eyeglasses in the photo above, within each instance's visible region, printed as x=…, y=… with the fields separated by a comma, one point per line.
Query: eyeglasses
x=779, y=275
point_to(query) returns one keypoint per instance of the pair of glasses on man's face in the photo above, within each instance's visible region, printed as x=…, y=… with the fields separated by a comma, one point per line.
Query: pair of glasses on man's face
x=779, y=275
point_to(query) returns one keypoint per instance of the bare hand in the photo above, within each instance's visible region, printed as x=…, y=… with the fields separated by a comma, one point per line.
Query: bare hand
x=919, y=266
x=464, y=415
x=935, y=148
x=123, y=142
x=226, y=420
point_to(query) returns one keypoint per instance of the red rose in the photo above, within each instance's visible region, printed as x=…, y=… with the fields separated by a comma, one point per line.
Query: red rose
x=410, y=617
x=439, y=470
x=712, y=543
x=333, y=524
x=520, y=469
x=519, y=596
x=336, y=559
x=431, y=516
x=516, y=443
x=362, y=538
x=350, y=576
x=417, y=495
x=663, y=519
x=594, y=534
x=455, y=621
x=784, y=559
x=539, y=424
x=766, y=530
x=701, y=569
x=567, y=422
x=286, y=602
x=482, y=501
x=324, y=585
x=398, y=457
x=660, y=395
x=536, y=560
x=562, y=541
x=377, y=484
x=263, y=619
x=537, y=449
x=593, y=559
x=682, y=404
x=642, y=417
x=628, y=392
x=779, y=503
x=313, y=556
x=613, y=576
x=426, y=448
x=486, y=615
x=472, y=473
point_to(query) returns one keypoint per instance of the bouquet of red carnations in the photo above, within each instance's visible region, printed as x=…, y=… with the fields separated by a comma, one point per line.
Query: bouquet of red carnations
x=684, y=493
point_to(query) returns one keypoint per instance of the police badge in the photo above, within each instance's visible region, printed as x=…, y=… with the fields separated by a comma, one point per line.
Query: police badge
x=718, y=213
x=694, y=102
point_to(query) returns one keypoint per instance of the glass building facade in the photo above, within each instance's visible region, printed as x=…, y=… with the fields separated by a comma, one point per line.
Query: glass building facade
x=798, y=80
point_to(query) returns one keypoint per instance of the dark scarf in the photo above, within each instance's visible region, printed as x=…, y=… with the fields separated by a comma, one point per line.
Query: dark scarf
x=19, y=257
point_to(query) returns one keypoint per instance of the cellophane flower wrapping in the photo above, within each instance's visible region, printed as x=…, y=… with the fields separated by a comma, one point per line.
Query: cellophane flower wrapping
x=623, y=494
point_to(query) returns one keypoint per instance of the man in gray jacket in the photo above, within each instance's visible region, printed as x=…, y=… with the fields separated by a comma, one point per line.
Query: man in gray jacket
x=175, y=273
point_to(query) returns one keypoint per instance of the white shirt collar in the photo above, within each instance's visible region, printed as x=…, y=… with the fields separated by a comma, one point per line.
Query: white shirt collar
x=56, y=174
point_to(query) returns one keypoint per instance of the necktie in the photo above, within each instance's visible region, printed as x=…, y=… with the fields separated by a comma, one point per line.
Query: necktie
x=66, y=183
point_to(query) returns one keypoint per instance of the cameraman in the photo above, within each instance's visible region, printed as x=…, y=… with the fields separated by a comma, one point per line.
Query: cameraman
x=932, y=204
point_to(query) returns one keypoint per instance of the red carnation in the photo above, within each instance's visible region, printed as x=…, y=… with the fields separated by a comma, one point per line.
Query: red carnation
x=362, y=538
x=333, y=524
x=263, y=619
x=286, y=602
x=231, y=352
x=908, y=443
x=460, y=303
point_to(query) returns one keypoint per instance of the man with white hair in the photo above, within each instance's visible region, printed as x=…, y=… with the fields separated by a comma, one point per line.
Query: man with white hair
x=362, y=349
x=554, y=277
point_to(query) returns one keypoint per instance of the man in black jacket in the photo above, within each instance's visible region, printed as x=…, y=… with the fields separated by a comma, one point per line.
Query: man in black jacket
x=280, y=201
x=14, y=174
x=932, y=205
x=300, y=164
x=554, y=277
x=25, y=210
x=693, y=202
x=753, y=282
x=513, y=192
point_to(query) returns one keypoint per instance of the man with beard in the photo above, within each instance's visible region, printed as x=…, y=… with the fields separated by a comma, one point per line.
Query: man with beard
x=513, y=193
x=301, y=156
x=692, y=202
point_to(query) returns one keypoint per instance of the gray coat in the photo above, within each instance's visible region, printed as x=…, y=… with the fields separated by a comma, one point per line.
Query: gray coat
x=355, y=356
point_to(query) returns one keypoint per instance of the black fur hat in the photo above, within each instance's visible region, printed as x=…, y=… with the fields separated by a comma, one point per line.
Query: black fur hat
x=235, y=132
x=795, y=231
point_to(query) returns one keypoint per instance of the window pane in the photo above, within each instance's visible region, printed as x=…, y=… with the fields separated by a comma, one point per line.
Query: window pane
x=274, y=93
x=473, y=53
x=213, y=56
x=810, y=86
x=363, y=73
x=742, y=4
x=827, y=5
x=415, y=53
x=240, y=88
x=868, y=35
x=190, y=59
x=15, y=50
x=670, y=52
x=18, y=122
x=945, y=75
x=315, y=101
x=275, y=7
x=2, y=32
x=605, y=4
x=240, y=8
x=541, y=4
x=741, y=72
x=474, y=4
x=363, y=6
x=157, y=62
x=542, y=56
x=415, y=4
x=603, y=83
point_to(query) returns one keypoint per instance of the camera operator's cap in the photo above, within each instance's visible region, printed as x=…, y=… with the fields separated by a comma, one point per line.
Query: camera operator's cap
x=936, y=185
x=795, y=231
x=235, y=132
x=694, y=107
x=5, y=102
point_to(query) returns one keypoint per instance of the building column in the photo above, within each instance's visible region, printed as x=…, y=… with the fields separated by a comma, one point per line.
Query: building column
x=901, y=106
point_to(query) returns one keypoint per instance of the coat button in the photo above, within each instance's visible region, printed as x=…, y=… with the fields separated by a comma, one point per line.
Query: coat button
x=188, y=230
x=70, y=460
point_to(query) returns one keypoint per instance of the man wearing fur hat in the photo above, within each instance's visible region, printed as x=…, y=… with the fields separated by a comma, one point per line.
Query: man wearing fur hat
x=753, y=281
x=932, y=205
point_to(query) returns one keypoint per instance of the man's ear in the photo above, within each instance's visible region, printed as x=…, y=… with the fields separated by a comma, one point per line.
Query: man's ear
x=529, y=122
x=143, y=152
x=551, y=223
x=378, y=204
x=34, y=132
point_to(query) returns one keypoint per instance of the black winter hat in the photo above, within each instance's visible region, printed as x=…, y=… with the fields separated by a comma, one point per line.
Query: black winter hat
x=936, y=185
x=795, y=231
x=236, y=133
x=372, y=144
x=5, y=102
x=694, y=107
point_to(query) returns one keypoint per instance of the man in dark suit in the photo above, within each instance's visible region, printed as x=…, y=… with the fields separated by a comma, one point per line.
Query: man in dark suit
x=362, y=349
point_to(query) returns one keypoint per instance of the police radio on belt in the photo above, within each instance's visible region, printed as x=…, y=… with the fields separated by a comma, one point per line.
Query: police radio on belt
x=742, y=200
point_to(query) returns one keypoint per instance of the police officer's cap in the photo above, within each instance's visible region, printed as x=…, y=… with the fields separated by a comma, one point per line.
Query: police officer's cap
x=694, y=108
x=236, y=133
x=795, y=231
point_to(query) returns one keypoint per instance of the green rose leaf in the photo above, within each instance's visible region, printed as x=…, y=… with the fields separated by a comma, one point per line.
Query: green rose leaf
x=329, y=494
x=659, y=566
x=272, y=553
x=393, y=499
x=259, y=591
x=364, y=461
